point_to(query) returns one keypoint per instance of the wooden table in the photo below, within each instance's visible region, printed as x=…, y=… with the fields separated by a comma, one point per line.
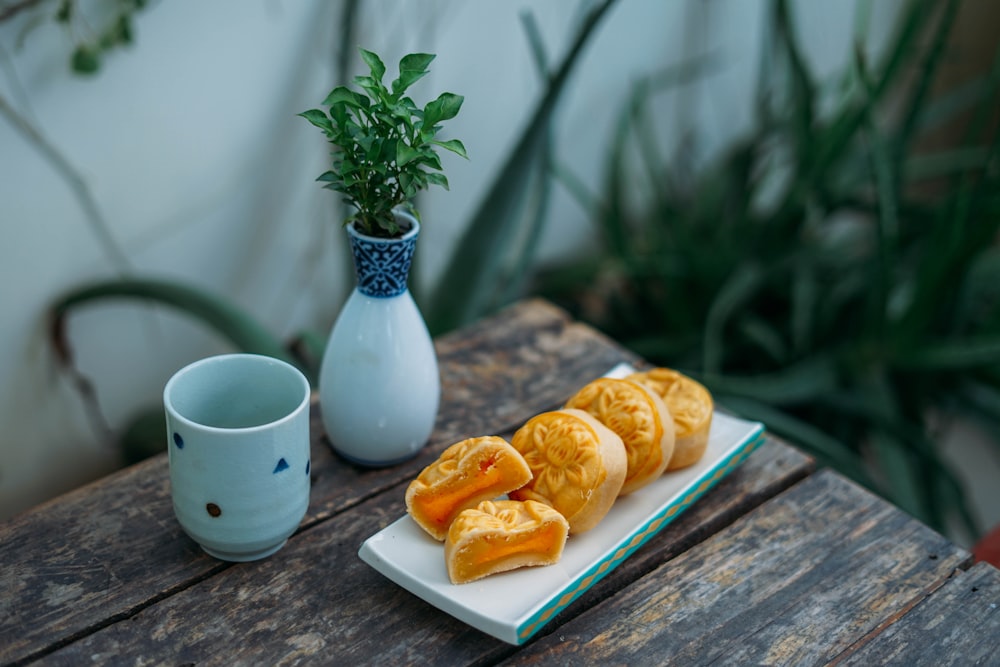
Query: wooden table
x=780, y=563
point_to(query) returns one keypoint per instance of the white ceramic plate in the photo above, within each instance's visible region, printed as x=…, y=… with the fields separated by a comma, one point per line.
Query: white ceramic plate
x=512, y=606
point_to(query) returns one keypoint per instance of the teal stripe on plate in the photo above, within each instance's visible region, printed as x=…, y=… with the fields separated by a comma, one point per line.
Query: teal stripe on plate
x=655, y=524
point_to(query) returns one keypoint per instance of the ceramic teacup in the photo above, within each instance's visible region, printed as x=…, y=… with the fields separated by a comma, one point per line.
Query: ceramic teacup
x=238, y=439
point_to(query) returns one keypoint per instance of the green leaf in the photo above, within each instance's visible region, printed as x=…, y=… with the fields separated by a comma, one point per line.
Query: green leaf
x=405, y=154
x=412, y=68
x=65, y=12
x=901, y=476
x=125, y=30
x=437, y=179
x=445, y=107
x=371, y=85
x=740, y=286
x=428, y=158
x=795, y=384
x=375, y=64
x=344, y=95
x=86, y=60
x=415, y=63
x=453, y=145
x=953, y=355
x=827, y=449
x=319, y=119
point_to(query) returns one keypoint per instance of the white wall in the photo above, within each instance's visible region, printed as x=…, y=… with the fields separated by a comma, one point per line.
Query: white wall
x=190, y=144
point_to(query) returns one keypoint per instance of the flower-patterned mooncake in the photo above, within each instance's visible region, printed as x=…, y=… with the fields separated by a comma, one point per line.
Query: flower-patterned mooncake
x=639, y=417
x=691, y=407
x=578, y=465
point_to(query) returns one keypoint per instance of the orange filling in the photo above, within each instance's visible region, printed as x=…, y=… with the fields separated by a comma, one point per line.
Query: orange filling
x=441, y=506
x=488, y=553
x=493, y=548
x=465, y=474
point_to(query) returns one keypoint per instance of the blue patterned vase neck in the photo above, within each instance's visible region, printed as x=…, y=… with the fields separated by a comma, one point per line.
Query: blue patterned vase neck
x=382, y=266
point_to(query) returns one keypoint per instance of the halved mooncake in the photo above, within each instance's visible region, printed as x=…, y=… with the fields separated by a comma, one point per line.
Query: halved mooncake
x=639, y=417
x=503, y=535
x=691, y=407
x=578, y=465
x=465, y=474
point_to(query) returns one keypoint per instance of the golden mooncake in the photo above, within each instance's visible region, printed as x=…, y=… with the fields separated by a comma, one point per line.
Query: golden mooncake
x=503, y=535
x=465, y=474
x=691, y=408
x=578, y=465
x=640, y=418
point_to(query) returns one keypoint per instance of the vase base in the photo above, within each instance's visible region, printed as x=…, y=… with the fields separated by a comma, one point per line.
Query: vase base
x=375, y=463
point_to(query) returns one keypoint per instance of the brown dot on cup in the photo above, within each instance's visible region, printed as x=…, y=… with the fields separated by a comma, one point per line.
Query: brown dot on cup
x=213, y=509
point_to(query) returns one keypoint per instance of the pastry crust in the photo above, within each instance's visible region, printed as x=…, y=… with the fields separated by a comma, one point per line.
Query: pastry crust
x=578, y=465
x=503, y=535
x=691, y=407
x=639, y=417
x=466, y=473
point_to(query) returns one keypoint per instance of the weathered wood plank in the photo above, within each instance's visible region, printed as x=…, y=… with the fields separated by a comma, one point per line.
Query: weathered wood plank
x=106, y=550
x=317, y=602
x=797, y=581
x=957, y=624
x=769, y=471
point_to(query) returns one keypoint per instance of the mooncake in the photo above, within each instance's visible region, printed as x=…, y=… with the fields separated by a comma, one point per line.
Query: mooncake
x=503, y=535
x=465, y=474
x=578, y=465
x=691, y=408
x=639, y=417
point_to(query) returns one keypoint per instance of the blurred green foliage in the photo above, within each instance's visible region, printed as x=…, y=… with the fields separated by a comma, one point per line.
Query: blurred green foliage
x=825, y=275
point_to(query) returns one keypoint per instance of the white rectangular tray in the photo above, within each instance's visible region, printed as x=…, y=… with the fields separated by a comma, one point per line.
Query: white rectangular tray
x=513, y=606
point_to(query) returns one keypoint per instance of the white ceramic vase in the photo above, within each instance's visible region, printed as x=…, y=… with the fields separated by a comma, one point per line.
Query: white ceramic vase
x=379, y=387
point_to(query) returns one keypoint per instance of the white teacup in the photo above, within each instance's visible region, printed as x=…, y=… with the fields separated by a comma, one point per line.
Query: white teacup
x=238, y=439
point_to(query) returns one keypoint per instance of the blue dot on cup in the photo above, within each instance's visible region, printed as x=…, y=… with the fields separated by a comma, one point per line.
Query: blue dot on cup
x=308, y=466
x=282, y=465
x=178, y=440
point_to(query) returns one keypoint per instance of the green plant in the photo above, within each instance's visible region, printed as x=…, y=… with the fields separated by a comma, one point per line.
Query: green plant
x=826, y=275
x=384, y=143
x=493, y=231
x=491, y=265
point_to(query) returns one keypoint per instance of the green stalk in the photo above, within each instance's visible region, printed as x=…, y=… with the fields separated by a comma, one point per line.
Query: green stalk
x=469, y=277
x=223, y=317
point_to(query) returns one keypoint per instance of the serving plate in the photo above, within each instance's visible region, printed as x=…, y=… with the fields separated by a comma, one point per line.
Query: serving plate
x=513, y=606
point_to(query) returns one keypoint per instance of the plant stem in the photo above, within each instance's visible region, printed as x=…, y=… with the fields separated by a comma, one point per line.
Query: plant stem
x=11, y=11
x=76, y=183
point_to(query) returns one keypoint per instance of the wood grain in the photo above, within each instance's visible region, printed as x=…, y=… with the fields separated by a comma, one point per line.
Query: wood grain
x=796, y=581
x=958, y=624
x=106, y=550
x=774, y=565
x=316, y=601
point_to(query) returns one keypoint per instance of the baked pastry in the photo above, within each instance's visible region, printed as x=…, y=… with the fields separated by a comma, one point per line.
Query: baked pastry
x=640, y=418
x=578, y=465
x=691, y=408
x=503, y=535
x=466, y=473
